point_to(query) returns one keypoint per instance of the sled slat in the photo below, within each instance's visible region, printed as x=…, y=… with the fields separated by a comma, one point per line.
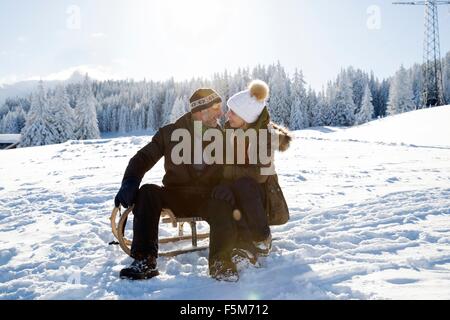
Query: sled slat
x=182, y=238
x=182, y=251
x=168, y=220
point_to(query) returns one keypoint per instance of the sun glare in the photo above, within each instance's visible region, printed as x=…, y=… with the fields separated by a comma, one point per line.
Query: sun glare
x=194, y=22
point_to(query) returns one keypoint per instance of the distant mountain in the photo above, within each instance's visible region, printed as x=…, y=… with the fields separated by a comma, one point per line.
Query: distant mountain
x=24, y=88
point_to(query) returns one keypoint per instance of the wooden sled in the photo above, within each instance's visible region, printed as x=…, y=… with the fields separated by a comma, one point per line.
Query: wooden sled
x=167, y=216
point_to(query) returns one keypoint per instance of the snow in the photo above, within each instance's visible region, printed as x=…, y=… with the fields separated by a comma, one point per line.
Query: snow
x=369, y=208
x=422, y=128
x=9, y=138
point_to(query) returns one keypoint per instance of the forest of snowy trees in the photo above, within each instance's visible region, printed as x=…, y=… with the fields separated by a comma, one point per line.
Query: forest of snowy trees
x=83, y=110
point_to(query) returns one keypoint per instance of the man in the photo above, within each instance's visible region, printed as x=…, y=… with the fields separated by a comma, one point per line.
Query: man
x=188, y=190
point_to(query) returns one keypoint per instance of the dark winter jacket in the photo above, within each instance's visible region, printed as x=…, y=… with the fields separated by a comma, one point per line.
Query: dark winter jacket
x=276, y=206
x=183, y=178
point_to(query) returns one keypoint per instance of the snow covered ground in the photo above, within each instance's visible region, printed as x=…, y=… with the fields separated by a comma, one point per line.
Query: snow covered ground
x=370, y=220
x=9, y=138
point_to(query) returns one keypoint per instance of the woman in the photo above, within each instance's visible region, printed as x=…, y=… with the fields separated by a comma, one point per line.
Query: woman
x=258, y=196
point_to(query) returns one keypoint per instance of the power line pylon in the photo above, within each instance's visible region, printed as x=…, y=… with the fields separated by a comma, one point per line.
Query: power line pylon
x=433, y=88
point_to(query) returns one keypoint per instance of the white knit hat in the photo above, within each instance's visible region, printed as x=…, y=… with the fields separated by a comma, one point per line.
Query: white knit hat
x=250, y=103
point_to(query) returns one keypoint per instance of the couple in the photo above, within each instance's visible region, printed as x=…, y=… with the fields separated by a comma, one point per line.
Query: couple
x=239, y=201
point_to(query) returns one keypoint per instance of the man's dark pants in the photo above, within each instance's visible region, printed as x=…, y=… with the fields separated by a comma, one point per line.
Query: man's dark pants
x=152, y=199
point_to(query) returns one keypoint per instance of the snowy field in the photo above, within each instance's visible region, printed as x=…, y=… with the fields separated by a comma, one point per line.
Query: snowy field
x=370, y=219
x=9, y=138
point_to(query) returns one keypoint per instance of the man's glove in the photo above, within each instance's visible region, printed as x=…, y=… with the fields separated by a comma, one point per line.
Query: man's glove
x=223, y=192
x=127, y=193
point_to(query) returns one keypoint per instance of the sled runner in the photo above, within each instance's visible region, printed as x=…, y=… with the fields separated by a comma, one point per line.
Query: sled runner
x=167, y=216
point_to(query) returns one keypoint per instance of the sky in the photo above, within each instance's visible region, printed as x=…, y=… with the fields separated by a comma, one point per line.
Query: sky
x=160, y=39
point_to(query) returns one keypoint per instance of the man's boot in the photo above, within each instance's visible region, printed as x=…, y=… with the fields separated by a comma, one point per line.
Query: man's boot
x=140, y=269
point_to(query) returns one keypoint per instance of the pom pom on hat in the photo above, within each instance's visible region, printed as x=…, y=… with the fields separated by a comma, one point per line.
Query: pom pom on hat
x=259, y=89
x=250, y=103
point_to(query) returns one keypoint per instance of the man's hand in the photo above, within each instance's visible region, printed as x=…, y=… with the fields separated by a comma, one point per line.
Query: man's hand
x=127, y=193
x=223, y=192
